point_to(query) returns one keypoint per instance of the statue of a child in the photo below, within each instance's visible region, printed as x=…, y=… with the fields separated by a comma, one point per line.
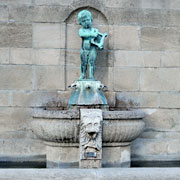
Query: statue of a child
x=91, y=39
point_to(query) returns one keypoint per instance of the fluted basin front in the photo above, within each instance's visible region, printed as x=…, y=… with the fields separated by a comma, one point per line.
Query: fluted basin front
x=63, y=126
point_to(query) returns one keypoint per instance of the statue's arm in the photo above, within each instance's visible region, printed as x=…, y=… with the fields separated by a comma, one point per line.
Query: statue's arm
x=85, y=34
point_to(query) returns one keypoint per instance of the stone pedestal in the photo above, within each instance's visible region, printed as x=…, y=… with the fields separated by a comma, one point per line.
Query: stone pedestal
x=62, y=155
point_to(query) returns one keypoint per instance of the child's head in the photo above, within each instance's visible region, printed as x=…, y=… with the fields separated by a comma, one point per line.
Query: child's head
x=85, y=19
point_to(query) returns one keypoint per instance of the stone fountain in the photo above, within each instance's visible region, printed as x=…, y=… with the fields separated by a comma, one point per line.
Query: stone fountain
x=88, y=134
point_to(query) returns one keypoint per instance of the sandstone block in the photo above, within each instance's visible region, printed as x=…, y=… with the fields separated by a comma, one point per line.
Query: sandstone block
x=36, y=56
x=125, y=79
x=49, y=35
x=73, y=39
x=53, y=2
x=31, y=13
x=137, y=99
x=16, y=35
x=4, y=98
x=126, y=37
x=22, y=56
x=48, y=56
x=169, y=100
x=51, y=13
x=171, y=18
x=144, y=149
x=123, y=3
x=3, y=13
x=49, y=77
x=111, y=98
x=162, y=79
x=122, y=17
x=159, y=38
x=4, y=56
x=161, y=119
x=11, y=150
x=14, y=119
x=72, y=74
x=137, y=59
x=16, y=77
x=20, y=2
x=41, y=98
x=150, y=17
x=170, y=59
x=173, y=147
x=155, y=4
x=105, y=75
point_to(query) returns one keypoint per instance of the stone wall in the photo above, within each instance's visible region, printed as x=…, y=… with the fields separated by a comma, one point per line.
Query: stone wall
x=39, y=58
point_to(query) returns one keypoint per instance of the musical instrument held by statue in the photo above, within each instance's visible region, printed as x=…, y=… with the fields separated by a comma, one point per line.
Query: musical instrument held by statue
x=99, y=40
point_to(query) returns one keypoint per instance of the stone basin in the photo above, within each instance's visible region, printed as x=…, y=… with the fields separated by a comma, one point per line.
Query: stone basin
x=63, y=126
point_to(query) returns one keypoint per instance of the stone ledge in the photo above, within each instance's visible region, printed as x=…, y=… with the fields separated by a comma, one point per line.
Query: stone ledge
x=91, y=174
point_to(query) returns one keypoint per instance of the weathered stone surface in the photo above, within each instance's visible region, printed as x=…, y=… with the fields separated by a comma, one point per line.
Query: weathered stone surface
x=50, y=114
x=117, y=156
x=111, y=98
x=15, y=77
x=14, y=119
x=49, y=35
x=159, y=38
x=126, y=79
x=170, y=100
x=22, y=56
x=20, y=2
x=36, y=56
x=134, y=114
x=4, y=56
x=49, y=77
x=4, y=98
x=105, y=75
x=170, y=59
x=126, y=37
x=155, y=4
x=155, y=149
x=11, y=150
x=53, y=2
x=137, y=59
x=162, y=119
x=72, y=74
x=73, y=39
x=123, y=3
x=3, y=13
x=55, y=130
x=137, y=99
x=31, y=13
x=62, y=157
x=41, y=99
x=123, y=16
x=162, y=79
x=16, y=35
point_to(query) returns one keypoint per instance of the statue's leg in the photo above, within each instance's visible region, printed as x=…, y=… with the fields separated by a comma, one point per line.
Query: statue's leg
x=91, y=62
x=84, y=59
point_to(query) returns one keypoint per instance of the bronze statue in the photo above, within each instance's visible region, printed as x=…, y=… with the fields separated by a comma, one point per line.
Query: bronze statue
x=91, y=40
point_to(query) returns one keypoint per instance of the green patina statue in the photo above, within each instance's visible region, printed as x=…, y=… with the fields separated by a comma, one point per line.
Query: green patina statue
x=91, y=40
x=88, y=91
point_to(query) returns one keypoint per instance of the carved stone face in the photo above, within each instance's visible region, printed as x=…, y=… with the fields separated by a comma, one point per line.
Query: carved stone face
x=92, y=126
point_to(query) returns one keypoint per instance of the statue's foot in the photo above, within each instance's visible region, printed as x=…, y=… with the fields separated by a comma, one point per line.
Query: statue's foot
x=92, y=78
x=81, y=77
